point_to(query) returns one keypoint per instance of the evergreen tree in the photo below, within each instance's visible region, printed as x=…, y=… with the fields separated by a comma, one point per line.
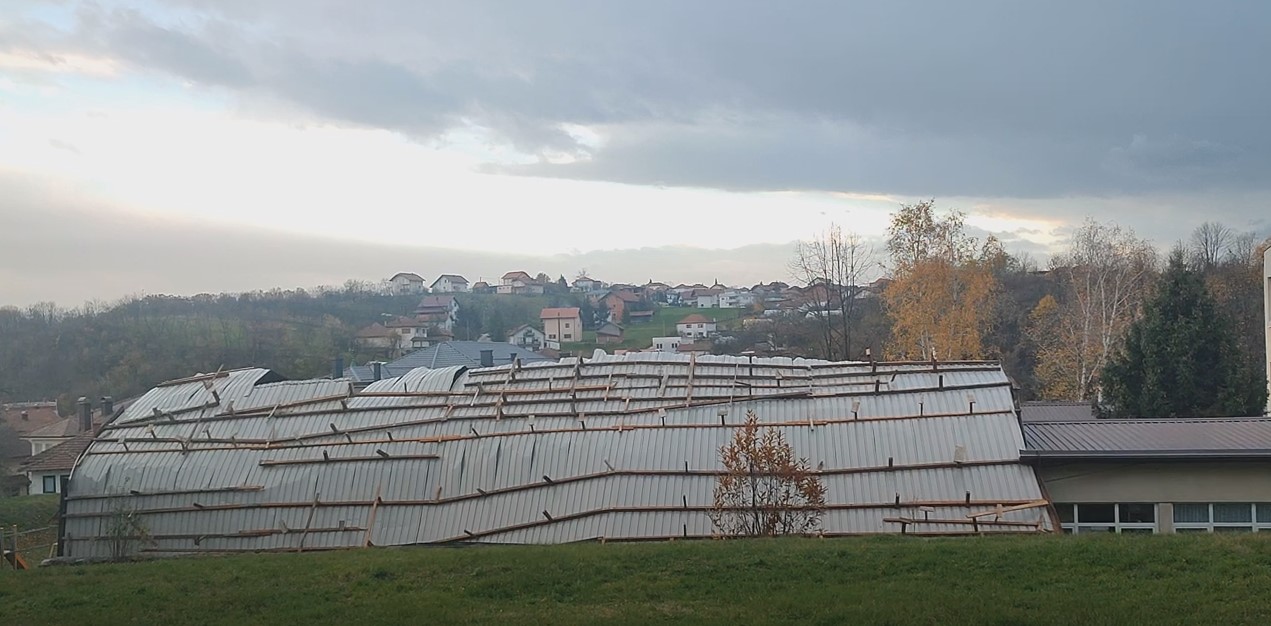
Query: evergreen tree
x=1180, y=359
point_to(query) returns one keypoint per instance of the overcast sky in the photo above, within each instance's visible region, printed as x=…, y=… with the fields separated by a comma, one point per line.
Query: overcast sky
x=189, y=146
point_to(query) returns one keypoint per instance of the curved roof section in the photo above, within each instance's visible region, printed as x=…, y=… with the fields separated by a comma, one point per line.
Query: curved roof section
x=556, y=451
x=220, y=393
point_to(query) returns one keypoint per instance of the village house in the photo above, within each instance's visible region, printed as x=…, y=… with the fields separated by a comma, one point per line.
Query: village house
x=609, y=332
x=57, y=446
x=736, y=299
x=52, y=435
x=564, y=324
x=617, y=301
x=666, y=344
x=407, y=327
x=407, y=283
x=377, y=337
x=24, y=419
x=482, y=287
x=696, y=326
x=706, y=298
x=528, y=337
x=519, y=284
x=439, y=311
x=450, y=283
x=584, y=284
x=45, y=472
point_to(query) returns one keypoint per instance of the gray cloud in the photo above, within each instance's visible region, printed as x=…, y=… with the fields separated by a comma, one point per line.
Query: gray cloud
x=986, y=98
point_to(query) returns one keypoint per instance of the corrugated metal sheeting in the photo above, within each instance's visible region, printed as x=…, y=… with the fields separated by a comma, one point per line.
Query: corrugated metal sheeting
x=1143, y=437
x=610, y=447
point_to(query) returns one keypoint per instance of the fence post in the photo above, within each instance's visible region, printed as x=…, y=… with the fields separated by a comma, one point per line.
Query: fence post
x=61, y=515
x=15, y=546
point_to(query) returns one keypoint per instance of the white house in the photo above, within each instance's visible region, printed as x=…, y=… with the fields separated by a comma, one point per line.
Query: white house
x=52, y=435
x=407, y=283
x=696, y=326
x=450, y=283
x=666, y=344
x=583, y=284
x=706, y=298
x=527, y=337
x=46, y=471
x=736, y=299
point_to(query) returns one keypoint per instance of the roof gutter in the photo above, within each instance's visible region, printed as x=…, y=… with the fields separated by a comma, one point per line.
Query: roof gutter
x=1147, y=455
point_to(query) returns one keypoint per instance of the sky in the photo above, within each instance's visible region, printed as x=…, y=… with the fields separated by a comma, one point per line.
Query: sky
x=189, y=146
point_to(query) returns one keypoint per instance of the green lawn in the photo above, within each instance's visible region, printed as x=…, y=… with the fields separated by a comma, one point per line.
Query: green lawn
x=1209, y=579
x=639, y=336
x=30, y=513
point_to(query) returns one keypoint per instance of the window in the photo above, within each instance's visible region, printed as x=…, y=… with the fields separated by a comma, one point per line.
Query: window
x=552, y=336
x=50, y=484
x=569, y=336
x=1107, y=518
x=1222, y=517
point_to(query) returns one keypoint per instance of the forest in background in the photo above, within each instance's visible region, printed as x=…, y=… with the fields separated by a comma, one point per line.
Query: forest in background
x=949, y=297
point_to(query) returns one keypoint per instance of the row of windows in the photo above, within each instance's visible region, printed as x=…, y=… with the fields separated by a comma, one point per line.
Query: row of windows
x=1188, y=517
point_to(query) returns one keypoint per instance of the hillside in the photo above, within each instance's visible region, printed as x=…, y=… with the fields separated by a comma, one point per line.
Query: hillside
x=1185, y=579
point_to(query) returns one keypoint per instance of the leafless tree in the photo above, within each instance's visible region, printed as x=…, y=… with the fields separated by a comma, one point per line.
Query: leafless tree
x=832, y=268
x=1211, y=243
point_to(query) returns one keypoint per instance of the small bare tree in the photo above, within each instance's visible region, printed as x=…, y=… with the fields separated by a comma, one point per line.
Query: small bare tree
x=124, y=530
x=765, y=490
x=832, y=267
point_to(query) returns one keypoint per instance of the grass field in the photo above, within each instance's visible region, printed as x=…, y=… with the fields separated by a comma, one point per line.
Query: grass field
x=639, y=336
x=30, y=513
x=1210, y=579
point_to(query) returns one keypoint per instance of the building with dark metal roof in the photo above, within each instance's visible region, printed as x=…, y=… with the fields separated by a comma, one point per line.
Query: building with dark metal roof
x=446, y=354
x=1154, y=475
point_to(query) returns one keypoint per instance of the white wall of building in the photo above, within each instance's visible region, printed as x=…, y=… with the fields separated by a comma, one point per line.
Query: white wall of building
x=37, y=482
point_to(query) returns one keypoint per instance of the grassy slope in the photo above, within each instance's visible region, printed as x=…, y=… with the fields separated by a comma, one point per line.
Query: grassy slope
x=29, y=513
x=639, y=336
x=887, y=580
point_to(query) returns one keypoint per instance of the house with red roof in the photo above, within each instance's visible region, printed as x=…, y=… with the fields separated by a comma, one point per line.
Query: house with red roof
x=562, y=324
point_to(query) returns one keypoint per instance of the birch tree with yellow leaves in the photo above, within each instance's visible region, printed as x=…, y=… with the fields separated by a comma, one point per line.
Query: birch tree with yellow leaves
x=941, y=295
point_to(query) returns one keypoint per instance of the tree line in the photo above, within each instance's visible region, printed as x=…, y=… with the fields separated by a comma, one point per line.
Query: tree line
x=1108, y=322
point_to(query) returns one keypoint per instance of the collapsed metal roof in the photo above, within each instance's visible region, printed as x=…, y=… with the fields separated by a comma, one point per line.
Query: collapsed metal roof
x=610, y=447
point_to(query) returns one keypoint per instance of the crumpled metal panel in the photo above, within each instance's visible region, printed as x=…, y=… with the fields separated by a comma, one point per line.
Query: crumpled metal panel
x=186, y=396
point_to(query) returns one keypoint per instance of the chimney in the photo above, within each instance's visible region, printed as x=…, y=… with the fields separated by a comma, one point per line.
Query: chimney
x=377, y=370
x=108, y=407
x=337, y=367
x=85, y=414
x=487, y=358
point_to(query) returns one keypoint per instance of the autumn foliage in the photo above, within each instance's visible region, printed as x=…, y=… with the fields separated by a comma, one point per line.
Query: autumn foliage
x=765, y=490
x=941, y=297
